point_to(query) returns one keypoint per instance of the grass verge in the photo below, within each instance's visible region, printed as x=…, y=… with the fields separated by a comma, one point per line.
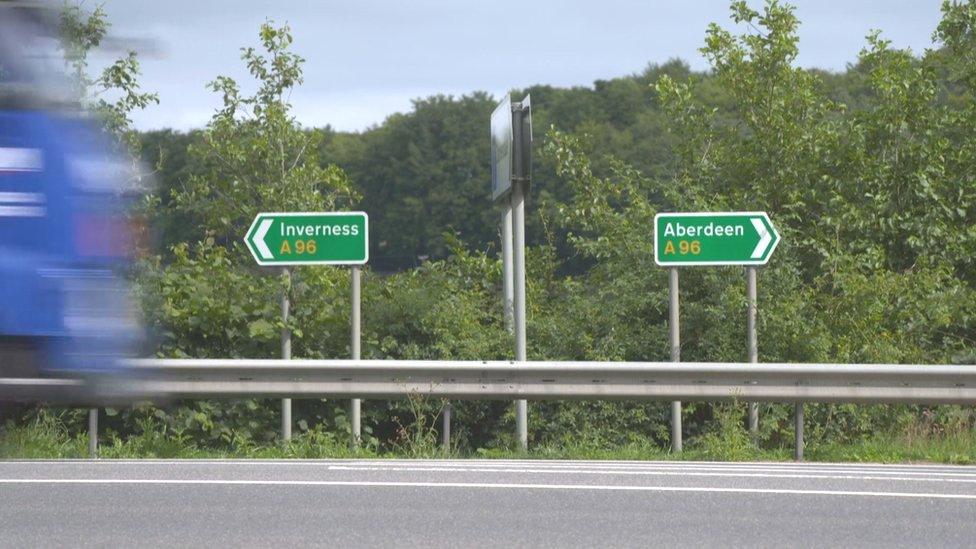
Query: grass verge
x=48, y=438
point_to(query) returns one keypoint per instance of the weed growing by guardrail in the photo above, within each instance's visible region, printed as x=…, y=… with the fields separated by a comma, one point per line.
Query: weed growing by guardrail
x=728, y=440
x=418, y=438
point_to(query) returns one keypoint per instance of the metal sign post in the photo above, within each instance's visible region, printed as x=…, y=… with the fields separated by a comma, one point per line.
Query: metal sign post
x=752, y=342
x=511, y=173
x=675, y=333
x=285, y=351
x=518, y=231
x=502, y=144
x=312, y=238
x=519, y=189
x=355, y=409
x=714, y=238
x=508, y=284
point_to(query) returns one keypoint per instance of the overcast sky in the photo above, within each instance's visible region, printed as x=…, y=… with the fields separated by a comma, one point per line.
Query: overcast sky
x=366, y=59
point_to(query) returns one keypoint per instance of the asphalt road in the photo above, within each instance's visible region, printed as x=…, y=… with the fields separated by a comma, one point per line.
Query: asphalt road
x=482, y=503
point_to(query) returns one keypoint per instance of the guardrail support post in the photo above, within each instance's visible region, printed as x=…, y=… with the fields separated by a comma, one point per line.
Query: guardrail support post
x=355, y=415
x=446, y=429
x=675, y=333
x=285, y=351
x=753, y=343
x=798, y=427
x=93, y=432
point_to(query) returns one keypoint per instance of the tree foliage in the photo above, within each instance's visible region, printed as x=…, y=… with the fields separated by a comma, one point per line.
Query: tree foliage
x=868, y=175
x=254, y=156
x=114, y=93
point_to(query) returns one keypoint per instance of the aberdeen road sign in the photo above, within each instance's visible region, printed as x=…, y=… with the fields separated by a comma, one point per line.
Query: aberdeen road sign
x=309, y=238
x=727, y=238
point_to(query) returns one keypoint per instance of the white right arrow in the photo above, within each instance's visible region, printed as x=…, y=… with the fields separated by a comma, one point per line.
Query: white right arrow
x=764, y=238
x=258, y=239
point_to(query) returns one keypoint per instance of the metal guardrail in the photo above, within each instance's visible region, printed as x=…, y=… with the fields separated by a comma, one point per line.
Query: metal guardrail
x=546, y=380
x=31, y=389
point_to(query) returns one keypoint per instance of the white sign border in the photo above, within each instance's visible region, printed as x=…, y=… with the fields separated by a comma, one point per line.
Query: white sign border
x=746, y=263
x=265, y=263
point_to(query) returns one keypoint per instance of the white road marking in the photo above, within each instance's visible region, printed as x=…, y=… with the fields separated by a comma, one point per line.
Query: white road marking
x=629, y=463
x=512, y=486
x=767, y=467
x=679, y=468
x=954, y=470
x=676, y=472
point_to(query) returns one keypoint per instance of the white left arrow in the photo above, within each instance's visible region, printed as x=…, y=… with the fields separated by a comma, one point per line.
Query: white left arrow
x=764, y=238
x=258, y=239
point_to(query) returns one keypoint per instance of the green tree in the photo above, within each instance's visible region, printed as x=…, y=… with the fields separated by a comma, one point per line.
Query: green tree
x=874, y=202
x=114, y=93
x=206, y=298
x=254, y=156
x=868, y=175
x=423, y=174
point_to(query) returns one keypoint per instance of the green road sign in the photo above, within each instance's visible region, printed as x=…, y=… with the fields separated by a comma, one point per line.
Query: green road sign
x=309, y=238
x=728, y=238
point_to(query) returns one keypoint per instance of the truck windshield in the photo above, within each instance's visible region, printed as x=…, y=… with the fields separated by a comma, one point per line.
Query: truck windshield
x=32, y=69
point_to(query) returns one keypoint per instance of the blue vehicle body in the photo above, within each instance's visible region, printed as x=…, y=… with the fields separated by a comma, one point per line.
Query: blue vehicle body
x=65, y=187
x=63, y=239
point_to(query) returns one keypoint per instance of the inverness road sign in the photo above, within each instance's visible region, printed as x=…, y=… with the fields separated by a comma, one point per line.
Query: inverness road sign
x=309, y=238
x=726, y=238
